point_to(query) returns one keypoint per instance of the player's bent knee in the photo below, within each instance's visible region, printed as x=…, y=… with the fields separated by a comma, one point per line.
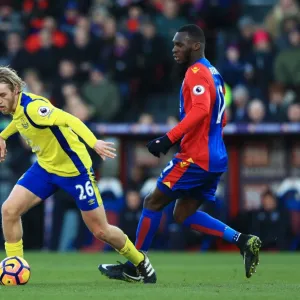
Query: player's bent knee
x=179, y=217
x=152, y=203
x=9, y=211
x=101, y=233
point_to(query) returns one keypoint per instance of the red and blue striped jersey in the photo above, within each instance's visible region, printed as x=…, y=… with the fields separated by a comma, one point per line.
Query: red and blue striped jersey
x=202, y=118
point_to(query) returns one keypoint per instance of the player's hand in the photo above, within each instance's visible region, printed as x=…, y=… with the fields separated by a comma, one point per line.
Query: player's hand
x=159, y=145
x=104, y=149
x=3, y=149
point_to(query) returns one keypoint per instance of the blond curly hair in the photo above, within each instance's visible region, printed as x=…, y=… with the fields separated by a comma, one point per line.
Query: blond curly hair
x=10, y=77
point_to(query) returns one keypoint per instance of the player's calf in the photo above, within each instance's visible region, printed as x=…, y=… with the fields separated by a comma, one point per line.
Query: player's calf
x=111, y=235
x=10, y=213
x=114, y=236
x=18, y=202
x=156, y=201
x=12, y=230
x=97, y=223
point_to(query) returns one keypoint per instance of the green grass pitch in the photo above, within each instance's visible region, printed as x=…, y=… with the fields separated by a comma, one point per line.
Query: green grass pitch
x=180, y=276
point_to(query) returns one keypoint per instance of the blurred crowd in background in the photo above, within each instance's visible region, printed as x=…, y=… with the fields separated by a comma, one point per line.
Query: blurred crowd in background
x=96, y=58
x=111, y=61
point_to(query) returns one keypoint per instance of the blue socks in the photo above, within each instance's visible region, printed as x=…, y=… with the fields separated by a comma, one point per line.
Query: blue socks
x=148, y=225
x=201, y=221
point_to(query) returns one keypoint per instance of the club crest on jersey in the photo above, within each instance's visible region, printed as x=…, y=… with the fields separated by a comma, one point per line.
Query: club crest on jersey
x=24, y=123
x=195, y=69
x=198, y=90
x=44, y=111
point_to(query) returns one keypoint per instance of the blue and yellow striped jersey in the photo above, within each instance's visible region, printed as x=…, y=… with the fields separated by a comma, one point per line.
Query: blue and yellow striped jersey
x=53, y=135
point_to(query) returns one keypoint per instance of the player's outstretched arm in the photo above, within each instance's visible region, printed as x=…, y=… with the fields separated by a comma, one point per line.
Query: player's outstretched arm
x=4, y=135
x=164, y=143
x=3, y=150
x=159, y=145
x=9, y=130
x=45, y=114
x=103, y=148
x=200, y=95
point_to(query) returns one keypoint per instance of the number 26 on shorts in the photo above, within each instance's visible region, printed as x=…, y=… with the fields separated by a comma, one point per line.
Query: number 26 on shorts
x=86, y=190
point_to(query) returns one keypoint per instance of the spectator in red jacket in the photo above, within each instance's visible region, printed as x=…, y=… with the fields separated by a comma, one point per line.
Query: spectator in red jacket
x=59, y=39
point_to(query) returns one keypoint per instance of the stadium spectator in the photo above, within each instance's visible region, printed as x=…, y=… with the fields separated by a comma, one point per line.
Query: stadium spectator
x=232, y=68
x=10, y=21
x=31, y=77
x=262, y=60
x=122, y=65
x=70, y=17
x=34, y=12
x=271, y=223
x=82, y=51
x=169, y=20
x=286, y=71
x=283, y=9
x=74, y=104
x=14, y=55
x=172, y=121
x=276, y=108
x=246, y=26
x=137, y=177
x=289, y=195
x=256, y=111
x=240, y=96
x=108, y=36
x=293, y=113
x=98, y=17
x=46, y=58
x=102, y=95
x=67, y=72
x=152, y=56
x=133, y=21
x=288, y=24
x=146, y=119
x=142, y=45
x=59, y=39
x=84, y=23
x=39, y=88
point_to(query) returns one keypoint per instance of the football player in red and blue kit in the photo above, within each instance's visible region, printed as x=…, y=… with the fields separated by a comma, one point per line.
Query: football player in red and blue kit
x=192, y=176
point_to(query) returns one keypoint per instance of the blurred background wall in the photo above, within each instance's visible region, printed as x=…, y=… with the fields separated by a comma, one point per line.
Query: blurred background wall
x=110, y=64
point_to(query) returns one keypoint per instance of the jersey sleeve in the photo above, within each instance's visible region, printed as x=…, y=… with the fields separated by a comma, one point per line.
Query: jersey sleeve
x=9, y=130
x=66, y=119
x=45, y=114
x=41, y=113
x=199, y=90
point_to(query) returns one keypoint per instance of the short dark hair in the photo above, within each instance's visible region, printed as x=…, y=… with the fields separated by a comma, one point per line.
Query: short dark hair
x=194, y=32
x=268, y=192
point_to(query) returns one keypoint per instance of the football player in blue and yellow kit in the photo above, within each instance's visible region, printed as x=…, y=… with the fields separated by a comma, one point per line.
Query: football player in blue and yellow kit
x=62, y=162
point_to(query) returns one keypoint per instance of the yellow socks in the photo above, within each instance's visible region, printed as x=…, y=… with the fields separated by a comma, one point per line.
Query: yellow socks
x=131, y=253
x=14, y=249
